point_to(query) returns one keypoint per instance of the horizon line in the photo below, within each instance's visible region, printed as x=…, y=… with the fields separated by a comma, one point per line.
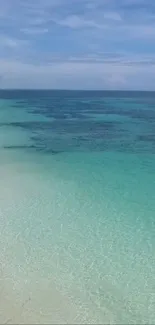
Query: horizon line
x=61, y=89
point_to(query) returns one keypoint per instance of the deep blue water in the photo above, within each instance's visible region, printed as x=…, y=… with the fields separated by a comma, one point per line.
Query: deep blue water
x=83, y=120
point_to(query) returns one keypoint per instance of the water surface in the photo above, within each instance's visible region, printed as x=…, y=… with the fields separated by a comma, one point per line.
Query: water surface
x=77, y=206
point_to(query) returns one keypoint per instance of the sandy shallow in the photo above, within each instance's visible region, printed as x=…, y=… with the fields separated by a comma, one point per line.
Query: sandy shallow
x=25, y=299
x=40, y=303
x=59, y=264
x=27, y=296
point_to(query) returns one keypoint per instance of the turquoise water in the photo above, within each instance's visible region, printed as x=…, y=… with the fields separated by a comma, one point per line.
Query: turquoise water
x=77, y=205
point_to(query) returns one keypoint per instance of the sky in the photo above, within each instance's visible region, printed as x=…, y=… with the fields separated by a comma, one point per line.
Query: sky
x=77, y=44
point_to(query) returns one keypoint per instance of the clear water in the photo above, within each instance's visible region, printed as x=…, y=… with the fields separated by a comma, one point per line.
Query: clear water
x=77, y=206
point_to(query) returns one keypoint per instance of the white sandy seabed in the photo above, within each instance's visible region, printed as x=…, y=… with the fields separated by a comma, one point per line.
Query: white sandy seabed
x=29, y=291
x=50, y=272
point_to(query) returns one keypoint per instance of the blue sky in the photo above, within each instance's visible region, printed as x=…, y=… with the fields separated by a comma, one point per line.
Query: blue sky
x=77, y=44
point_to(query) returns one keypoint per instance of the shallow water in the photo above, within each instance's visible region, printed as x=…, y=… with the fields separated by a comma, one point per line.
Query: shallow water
x=77, y=207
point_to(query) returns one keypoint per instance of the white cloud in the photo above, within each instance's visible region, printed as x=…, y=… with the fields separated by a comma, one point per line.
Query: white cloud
x=8, y=42
x=112, y=16
x=34, y=31
x=76, y=75
x=74, y=21
x=11, y=43
x=143, y=31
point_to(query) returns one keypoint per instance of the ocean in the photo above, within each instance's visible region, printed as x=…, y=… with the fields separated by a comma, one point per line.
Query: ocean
x=77, y=207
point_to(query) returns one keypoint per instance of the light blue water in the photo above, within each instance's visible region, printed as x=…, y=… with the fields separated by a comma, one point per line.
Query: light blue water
x=77, y=200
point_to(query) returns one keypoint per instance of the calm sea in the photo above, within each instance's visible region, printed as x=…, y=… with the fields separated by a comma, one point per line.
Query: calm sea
x=77, y=207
